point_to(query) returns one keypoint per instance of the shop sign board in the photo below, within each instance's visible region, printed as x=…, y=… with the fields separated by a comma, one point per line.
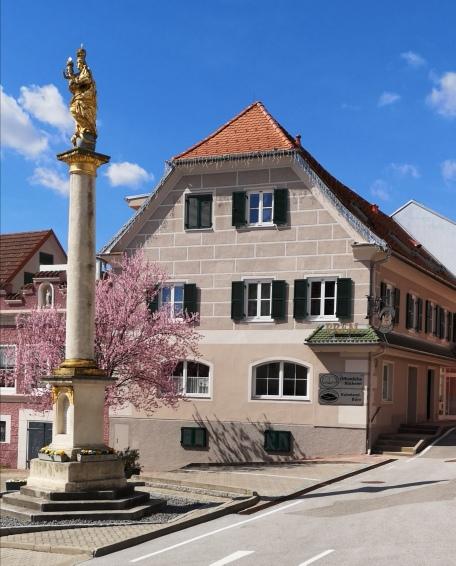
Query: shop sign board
x=342, y=388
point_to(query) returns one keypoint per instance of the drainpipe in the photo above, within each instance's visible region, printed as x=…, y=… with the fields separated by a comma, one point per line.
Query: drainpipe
x=372, y=271
x=372, y=358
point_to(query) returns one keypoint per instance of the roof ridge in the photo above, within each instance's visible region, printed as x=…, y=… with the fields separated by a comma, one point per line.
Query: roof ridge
x=277, y=124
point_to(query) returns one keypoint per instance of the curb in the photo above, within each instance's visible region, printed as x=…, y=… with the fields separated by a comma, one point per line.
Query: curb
x=225, y=509
x=265, y=504
x=217, y=488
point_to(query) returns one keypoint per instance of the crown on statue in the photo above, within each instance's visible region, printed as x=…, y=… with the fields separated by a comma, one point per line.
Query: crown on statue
x=81, y=52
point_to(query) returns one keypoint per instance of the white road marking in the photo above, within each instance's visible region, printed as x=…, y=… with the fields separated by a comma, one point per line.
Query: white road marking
x=232, y=557
x=317, y=557
x=210, y=533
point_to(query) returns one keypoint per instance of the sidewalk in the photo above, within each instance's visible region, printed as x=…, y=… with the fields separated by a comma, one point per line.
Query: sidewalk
x=271, y=482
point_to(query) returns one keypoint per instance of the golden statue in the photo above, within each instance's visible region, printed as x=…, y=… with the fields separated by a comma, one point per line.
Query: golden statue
x=83, y=105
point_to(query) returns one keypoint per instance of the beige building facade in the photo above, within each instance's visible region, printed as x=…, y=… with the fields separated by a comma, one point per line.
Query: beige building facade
x=290, y=273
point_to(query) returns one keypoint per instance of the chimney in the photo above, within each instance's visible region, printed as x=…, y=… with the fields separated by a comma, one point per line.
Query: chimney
x=374, y=208
x=298, y=139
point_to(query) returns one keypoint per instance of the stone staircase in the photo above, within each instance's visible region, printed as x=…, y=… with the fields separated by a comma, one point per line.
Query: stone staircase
x=38, y=506
x=408, y=440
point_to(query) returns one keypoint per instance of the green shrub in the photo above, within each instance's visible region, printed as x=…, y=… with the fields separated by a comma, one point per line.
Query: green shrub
x=130, y=457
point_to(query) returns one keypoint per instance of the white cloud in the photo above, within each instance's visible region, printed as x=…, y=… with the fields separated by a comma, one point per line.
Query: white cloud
x=413, y=59
x=18, y=131
x=405, y=170
x=51, y=179
x=127, y=174
x=449, y=170
x=443, y=96
x=46, y=104
x=380, y=189
x=387, y=98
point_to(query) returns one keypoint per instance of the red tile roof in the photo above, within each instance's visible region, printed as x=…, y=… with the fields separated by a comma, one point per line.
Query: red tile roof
x=254, y=130
x=16, y=249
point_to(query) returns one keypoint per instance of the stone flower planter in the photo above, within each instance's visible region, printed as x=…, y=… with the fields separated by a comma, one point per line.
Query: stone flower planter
x=95, y=457
x=53, y=457
x=14, y=485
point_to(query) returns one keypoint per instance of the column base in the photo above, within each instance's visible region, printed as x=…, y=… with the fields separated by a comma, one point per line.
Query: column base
x=76, y=476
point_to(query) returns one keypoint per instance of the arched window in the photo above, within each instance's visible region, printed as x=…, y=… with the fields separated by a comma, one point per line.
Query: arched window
x=46, y=295
x=280, y=380
x=63, y=405
x=192, y=379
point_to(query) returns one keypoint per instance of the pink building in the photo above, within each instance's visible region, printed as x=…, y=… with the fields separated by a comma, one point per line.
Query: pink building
x=32, y=273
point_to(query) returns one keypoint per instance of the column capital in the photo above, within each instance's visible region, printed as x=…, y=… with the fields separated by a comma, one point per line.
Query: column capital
x=83, y=161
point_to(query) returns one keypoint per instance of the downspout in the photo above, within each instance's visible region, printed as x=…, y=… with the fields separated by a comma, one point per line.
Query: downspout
x=371, y=366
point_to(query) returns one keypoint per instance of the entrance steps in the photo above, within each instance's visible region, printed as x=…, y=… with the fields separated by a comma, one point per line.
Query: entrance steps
x=408, y=440
x=38, y=506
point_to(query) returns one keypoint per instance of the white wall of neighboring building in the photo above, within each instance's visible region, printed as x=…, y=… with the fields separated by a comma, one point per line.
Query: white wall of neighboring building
x=435, y=232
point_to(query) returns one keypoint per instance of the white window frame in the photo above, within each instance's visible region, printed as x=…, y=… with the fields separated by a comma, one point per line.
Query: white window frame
x=11, y=389
x=172, y=285
x=280, y=396
x=7, y=420
x=261, y=193
x=389, y=295
x=321, y=317
x=258, y=281
x=390, y=382
x=184, y=393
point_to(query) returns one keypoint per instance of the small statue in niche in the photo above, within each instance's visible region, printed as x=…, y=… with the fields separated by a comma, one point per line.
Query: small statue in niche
x=48, y=298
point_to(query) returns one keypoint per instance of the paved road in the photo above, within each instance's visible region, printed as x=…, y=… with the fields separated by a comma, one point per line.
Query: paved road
x=400, y=514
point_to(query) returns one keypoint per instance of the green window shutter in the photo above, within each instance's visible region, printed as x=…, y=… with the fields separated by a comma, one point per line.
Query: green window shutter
x=190, y=298
x=397, y=305
x=383, y=293
x=435, y=330
x=344, y=306
x=237, y=300
x=454, y=327
x=153, y=303
x=193, y=437
x=277, y=440
x=441, y=323
x=449, y=325
x=427, y=317
x=280, y=207
x=238, y=217
x=419, y=321
x=409, y=313
x=279, y=299
x=300, y=299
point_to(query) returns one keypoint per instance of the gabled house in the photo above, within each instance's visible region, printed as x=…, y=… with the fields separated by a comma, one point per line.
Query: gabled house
x=32, y=273
x=317, y=310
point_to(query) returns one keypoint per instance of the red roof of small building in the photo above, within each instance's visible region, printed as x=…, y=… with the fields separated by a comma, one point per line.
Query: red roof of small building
x=254, y=130
x=16, y=250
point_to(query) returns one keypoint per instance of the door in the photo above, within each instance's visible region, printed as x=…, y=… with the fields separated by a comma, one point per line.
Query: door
x=121, y=434
x=430, y=395
x=411, y=395
x=39, y=434
x=450, y=397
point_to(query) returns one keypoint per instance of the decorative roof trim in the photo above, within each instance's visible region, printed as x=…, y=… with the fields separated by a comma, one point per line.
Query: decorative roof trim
x=106, y=249
x=361, y=228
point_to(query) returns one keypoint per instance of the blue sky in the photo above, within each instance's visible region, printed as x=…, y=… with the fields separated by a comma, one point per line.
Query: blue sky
x=370, y=86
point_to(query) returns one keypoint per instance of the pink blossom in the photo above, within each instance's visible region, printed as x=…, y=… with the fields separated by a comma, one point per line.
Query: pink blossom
x=135, y=347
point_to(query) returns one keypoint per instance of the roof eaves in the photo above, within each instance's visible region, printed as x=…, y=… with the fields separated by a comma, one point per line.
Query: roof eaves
x=106, y=249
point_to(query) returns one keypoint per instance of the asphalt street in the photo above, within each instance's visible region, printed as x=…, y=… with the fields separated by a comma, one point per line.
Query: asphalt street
x=403, y=514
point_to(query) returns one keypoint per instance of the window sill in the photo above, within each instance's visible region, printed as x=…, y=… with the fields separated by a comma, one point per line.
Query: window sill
x=247, y=227
x=286, y=399
x=211, y=229
x=322, y=319
x=258, y=320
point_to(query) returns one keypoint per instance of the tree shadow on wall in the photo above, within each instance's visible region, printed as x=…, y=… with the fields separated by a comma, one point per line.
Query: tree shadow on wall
x=231, y=443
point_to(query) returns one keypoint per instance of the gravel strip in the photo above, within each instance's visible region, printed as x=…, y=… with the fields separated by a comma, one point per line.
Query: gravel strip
x=175, y=507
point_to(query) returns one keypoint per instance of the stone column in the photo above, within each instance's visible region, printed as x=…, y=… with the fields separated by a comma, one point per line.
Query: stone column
x=78, y=385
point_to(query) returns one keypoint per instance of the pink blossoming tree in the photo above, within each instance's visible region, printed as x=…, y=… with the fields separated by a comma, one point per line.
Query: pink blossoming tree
x=138, y=348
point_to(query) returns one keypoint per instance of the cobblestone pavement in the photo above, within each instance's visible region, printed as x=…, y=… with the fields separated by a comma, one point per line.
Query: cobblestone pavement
x=16, y=557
